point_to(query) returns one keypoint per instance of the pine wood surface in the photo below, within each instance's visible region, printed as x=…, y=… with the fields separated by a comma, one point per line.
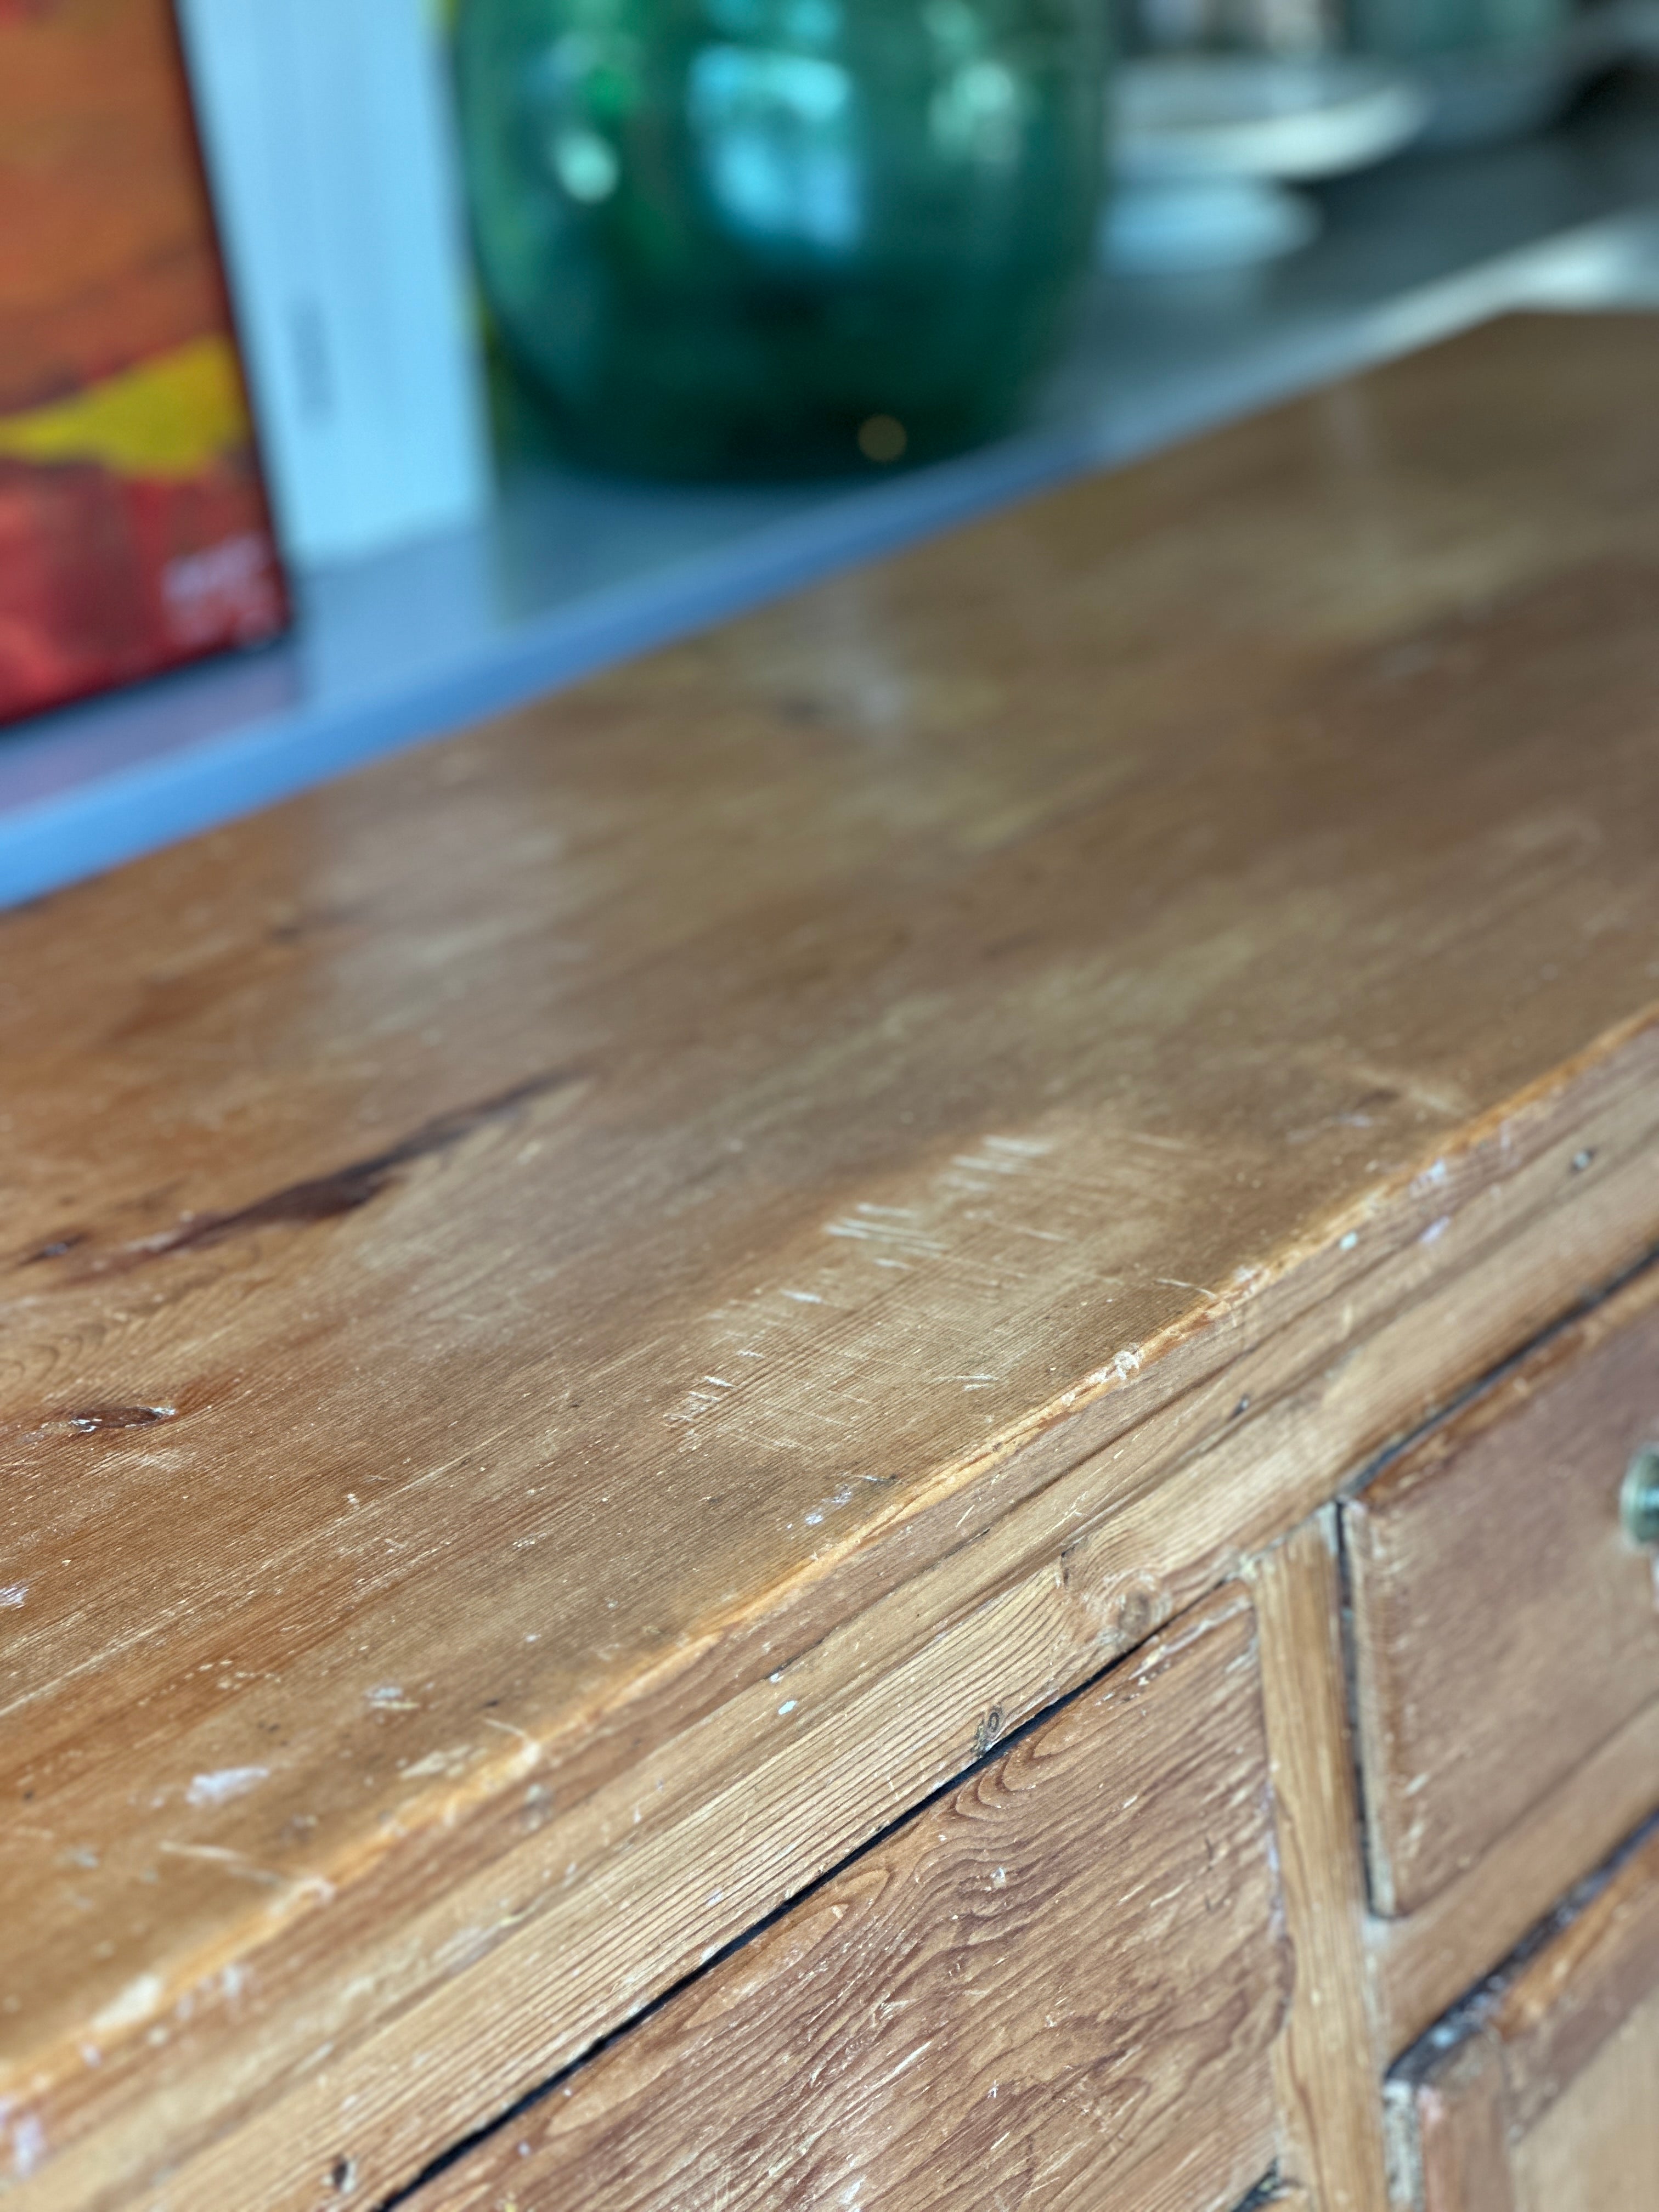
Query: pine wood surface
x=1328, y=2060
x=1505, y=1627
x=885, y=1148
x=1059, y=1985
x=1597, y=2148
x=1145, y=1529
x=1552, y=2016
x=1459, y=2160
x=1538, y=2094
x=1422, y=1964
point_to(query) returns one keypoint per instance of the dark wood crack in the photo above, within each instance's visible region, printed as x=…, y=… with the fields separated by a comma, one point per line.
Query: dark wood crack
x=316, y=1199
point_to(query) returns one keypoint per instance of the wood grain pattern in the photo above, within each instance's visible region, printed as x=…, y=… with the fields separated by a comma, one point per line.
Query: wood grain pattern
x=1538, y=2082
x=1597, y=2148
x=1422, y=1964
x=1460, y=2151
x=1031, y=1608
x=1504, y=1625
x=1329, y=2071
x=1059, y=1985
x=706, y=1180
x=1552, y=2015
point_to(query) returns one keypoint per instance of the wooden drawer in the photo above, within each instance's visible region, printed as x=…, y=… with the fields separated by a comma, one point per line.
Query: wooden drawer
x=1541, y=2093
x=1504, y=1625
x=1058, y=1984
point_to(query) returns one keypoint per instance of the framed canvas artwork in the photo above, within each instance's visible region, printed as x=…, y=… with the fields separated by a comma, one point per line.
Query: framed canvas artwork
x=134, y=529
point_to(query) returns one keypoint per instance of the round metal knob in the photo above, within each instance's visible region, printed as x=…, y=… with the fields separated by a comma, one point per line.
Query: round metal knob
x=1639, y=1499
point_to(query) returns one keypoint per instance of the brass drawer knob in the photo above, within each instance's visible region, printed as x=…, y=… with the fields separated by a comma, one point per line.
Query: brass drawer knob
x=1639, y=1500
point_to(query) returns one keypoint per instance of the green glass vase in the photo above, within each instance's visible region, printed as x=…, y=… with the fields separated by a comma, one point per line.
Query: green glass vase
x=764, y=238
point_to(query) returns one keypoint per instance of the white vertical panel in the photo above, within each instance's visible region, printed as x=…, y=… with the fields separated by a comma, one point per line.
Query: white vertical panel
x=329, y=140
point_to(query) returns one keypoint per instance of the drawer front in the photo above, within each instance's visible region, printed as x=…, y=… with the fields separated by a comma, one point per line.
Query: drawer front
x=1058, y=1984
x=1542, y=2092
x=1505, y=1621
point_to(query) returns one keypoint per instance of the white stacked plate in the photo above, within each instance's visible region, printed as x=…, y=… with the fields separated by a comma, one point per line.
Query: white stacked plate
x=1206, y=147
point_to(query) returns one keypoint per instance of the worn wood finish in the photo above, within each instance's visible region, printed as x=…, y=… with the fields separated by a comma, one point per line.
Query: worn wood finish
x=1596, y=2149
x=1061, y=1985
x=1421, y=1966
x=1505, y=1627
x=1329, y=2070
x=1507, y=2102
x=1454, y=2136
x=1552, y=2016
x=1145, y=1527
x=791, y=1160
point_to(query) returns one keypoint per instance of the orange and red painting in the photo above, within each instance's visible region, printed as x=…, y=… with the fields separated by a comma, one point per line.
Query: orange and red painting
x=134, y=530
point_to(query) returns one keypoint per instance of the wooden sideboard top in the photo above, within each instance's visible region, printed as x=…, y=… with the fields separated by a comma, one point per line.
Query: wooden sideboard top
x=546, y=1284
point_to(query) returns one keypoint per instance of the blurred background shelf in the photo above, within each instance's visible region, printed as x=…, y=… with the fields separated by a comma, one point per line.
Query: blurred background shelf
x=568, y=573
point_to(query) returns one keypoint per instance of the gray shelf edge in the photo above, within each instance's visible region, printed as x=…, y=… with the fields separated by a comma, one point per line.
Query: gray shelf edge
x=117, y=815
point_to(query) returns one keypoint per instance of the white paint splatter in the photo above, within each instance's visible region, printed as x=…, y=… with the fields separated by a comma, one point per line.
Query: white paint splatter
x=1435, y=1230
x=28, y=2145
x=1349, y=1241
x=388, y=1698
x=13, y=1594
x=137, y=2001
x=314, y=1886
x=787, y=1706
x=452, y=1762
x=229, y=1781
